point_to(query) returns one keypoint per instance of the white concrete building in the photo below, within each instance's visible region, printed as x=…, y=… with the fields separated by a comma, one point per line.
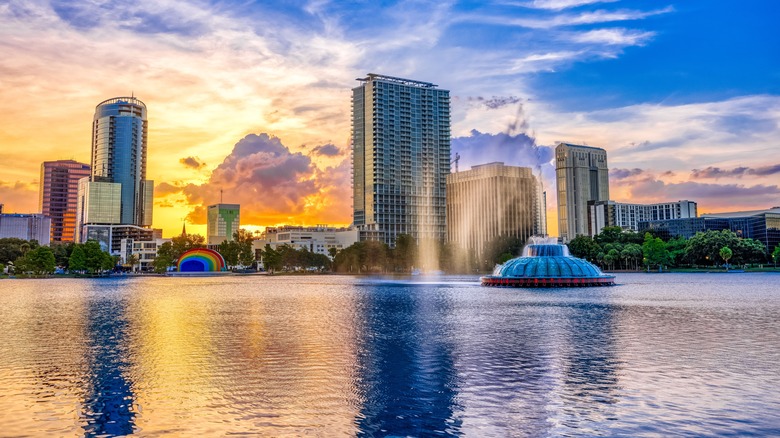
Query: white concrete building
x=145, y=250
x=627, y=216
x=319, y=239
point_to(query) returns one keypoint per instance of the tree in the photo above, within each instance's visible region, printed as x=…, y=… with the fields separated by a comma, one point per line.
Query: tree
x=405, y=253
x=272, y=259
x=62, y=252
x=11, y=248
x=97, y=260
x=725, y=254
x=229, y=250
x=609, y=235
x=584, y=247
x=182, y=243
x=246, y=253
x=704, y=247
x=655, y=252
x=78, y=259
x=131, y=261
x=676, y=248
x=164, y=258
x=39, y=261
x=776, y=254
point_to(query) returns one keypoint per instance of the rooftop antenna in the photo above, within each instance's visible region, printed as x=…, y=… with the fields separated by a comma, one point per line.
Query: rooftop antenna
x=220, y=196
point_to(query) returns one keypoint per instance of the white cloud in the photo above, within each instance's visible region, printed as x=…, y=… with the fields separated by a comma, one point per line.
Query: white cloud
x=616, y=36
x=557, y=5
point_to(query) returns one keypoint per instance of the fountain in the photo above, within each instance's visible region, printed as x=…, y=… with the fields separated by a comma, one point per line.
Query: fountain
x=547, y=264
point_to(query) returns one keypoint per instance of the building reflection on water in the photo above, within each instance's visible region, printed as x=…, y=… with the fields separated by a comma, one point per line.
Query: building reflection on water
x=108, y=405
x=407, y=374
x=431, y=362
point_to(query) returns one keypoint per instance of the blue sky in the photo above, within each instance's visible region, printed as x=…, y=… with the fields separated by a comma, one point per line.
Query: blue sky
x=683, y=95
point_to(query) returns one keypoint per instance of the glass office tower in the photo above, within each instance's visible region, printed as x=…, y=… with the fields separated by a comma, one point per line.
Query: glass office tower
x=400, y=158
x=119, y=133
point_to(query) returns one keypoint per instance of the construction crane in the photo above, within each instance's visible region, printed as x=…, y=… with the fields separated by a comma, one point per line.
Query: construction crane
x=455, y=160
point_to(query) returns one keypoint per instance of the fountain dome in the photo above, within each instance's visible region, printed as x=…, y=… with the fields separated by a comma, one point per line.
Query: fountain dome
x=547, y=265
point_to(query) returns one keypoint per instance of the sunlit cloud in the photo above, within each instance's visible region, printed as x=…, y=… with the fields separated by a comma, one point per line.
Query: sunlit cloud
x=192, y=162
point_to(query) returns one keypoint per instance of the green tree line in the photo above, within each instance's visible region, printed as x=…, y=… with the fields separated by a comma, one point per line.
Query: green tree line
x=614, y=248
x=30, y=258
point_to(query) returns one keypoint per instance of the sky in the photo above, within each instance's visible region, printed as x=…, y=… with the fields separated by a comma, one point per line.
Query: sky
x=252, y=99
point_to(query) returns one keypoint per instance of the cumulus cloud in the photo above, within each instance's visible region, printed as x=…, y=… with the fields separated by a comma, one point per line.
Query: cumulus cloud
x=738, y=172
x=192, y=162
x=327, y=150
x=513, y=150
x=273, y=185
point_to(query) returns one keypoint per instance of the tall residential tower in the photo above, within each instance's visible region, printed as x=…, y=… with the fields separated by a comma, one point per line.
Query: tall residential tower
x=58, y=198
x=582, y=175
x=400, y=158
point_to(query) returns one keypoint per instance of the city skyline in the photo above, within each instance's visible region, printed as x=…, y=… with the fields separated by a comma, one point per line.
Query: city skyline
x=254, y=100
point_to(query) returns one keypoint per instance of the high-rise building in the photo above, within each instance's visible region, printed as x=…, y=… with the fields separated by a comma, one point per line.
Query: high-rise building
x=119, y=135
x=58, y=196
x=582, y=175
x=493, y=200
x=119, y=148
x=222, y=221
x=628, y=216
x=400, y=158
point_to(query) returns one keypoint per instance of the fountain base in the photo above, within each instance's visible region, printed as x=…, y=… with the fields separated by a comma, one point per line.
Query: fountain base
x=547, y=282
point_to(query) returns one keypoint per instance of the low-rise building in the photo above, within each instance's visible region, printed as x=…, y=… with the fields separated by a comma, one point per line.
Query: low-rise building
x=26, y=226
x=319, y=239
x=144, y=250
x=628, y=216
x=762, y=225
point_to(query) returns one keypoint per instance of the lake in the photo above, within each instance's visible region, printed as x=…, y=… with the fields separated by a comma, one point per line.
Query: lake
x=657, y=355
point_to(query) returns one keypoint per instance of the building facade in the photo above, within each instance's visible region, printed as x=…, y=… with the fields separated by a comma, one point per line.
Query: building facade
x=26, y=226
x=400, y=158
x=222, y=221
x=117, y=198
x=58, y=196
x=628, y=216
x=582, y=175
x=493, y=200
x=762, y=225
x=319, y=239
x=144, y=250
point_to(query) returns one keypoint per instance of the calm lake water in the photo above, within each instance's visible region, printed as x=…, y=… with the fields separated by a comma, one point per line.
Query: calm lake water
x=658, y=355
